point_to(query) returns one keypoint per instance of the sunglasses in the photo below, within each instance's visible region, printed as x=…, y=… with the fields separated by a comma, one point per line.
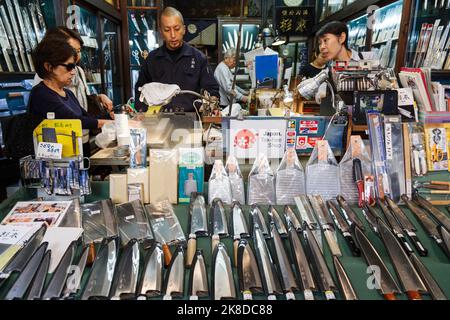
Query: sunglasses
x=69, y=66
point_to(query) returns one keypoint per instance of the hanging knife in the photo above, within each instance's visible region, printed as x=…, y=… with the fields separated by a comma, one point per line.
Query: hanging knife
x=152, y=275
x=395, y=226
x=16, y=31
x=326, y=282
x=99, y=281
x=258, y=220
x=358, y=177
x=304, y=272
x=249, y=277
x=222, y=275
x=410, y=279
x=145, y=23
x=326, y=224
x=308, y=217
x=40, y=17
x=22, y=28
x=135, y=23
x=445, y=236
x=426, y=222
x=11, y=37
x=20, y=286
x=198, y=282
x=240, y=229
x=348, y=212
x=286, y=274
x=290, y=216
x=174, y=284
x=219, y=224
x=35, y=23
x=268, y=272
x=371, y=216
x=199, y=224
x=58, y=280
x=344, y=282
x=343, y=227
x=126, y=277
x=26, y=20
x=438, y=215
x=407, y=226
x=431, y=284
x=276, y=219
x=37, y=286
x=4, y=44
x=73, y=284
x=385, y=282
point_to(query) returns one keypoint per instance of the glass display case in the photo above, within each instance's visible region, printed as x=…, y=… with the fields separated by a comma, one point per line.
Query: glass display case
x=357, y=31
x=111, y=64
x=328, y=7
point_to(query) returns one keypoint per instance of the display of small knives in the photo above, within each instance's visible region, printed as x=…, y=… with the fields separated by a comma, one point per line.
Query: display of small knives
x=102, y=272
x=258, y=220
x=152, y=275
x=249, y=277
x=348, y=212
x=198, y=280
x=431, y=284
x=223, y=286
x=440, y=217
x=385, y=282
x=395, y=226
x=289, y=215
x=308, y=217
x=276, y=219
x=174, y=282
x=126, y=276
x=268, y=272
x=345, y=285
x=240, y=228
x=407, y=274
x=326, y=224
x=199, y=224
x=287, y=277
x=75, y=274
x=407, y=226
x=218, y=220
x=37, y=286
x=358, y=177
x=23, y=281
x=57, y=282
x=324, y=278
x=343, y=226
x=304, y=273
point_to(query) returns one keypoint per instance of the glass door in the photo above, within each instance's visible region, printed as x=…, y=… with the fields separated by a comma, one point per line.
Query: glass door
x=111, y=66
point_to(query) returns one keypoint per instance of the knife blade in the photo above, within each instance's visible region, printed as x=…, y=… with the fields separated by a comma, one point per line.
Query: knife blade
x=37, y=286
x=301, y=264
x=445, y=236
x=431, y=284
x=268, y=272
x=99, y=281
x=240, y=229
x=58, y=280
x=75, y=275
x=438, y=215
x=359, y=181
x=407, y=226
x=126, y=276
x=395, y=226
x=174, y=284
x=258, y=220
x=222, y=274
x=308, y=217
x=326, y=224
x=407, y=274
x=371, y=216
x=218, y=222
x=290, y=217
x=276, y=219
x=348, y=212
x=385, y=282
x=344, y=282
x=199, y=224
x=343, y=227
x=198, y=278
x=152, y=276
x=249, y=277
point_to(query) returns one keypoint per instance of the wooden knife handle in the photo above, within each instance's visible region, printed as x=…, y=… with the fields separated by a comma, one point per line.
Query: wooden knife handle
x=235, y=251
x=191, y=248
x=215, y=239
x=167, y=254
x=413, y=295
x=334, y=247
x=389, y=296
x=361, y=196
x=91, y=254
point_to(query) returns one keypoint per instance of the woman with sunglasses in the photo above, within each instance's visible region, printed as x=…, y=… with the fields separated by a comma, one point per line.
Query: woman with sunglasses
x=54, y=61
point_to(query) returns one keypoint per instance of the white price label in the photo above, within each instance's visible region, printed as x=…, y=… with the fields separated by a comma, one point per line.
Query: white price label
x=49, y=150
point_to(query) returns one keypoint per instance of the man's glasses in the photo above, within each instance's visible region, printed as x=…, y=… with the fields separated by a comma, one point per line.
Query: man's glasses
x=69, y=66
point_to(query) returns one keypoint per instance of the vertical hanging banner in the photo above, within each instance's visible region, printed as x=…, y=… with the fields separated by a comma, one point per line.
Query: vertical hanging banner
x=295, y=21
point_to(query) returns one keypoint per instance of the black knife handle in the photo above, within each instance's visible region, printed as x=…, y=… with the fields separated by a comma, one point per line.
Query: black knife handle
x=418, y=245
x=351, y=243
x=405, y=244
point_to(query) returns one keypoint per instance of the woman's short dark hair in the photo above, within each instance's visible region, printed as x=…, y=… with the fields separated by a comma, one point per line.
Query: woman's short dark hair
x=63, y=33
x=336, y=28
x=53, y=52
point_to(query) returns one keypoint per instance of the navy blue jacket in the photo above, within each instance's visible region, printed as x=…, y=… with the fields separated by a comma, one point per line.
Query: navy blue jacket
x=44, y=100
x=190, y=72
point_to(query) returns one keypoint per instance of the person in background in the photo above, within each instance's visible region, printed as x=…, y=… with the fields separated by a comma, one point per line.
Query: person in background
x=224, y=77
x=55, y=63
x=313, y=68
x=176, y=62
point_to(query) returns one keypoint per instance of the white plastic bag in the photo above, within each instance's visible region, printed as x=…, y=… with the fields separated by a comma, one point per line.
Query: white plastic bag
x=107, y=136
x=236, y=180
x=290, y=178
x=261, y=182
x=219, y=184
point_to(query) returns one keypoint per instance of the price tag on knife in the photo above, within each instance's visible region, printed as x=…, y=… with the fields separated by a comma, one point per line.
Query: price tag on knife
x=49, y=150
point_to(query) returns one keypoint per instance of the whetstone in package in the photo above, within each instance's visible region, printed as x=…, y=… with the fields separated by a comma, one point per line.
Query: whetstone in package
x=163, y=175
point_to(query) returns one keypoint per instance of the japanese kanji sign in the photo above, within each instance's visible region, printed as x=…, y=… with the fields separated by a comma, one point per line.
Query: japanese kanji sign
x=295, y=21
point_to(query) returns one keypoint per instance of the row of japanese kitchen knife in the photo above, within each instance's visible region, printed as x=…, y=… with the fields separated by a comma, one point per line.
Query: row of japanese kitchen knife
x=263, y=264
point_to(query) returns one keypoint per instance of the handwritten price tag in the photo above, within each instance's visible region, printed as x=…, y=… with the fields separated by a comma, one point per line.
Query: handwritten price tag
x=49, y=150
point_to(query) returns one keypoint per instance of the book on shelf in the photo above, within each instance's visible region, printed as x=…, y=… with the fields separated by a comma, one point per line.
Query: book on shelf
x=419, y=80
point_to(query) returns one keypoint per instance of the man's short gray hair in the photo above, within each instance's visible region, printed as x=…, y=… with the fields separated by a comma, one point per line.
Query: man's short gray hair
x=170, y=12
x=230, y=53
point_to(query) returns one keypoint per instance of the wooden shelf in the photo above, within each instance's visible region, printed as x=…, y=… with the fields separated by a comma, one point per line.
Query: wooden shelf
x=217, y=120
x=384, y=41
x=440, y=72
x=142, y=8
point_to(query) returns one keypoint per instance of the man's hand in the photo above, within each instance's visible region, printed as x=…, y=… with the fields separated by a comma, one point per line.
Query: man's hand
x=244, y=99
x=107, y=103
